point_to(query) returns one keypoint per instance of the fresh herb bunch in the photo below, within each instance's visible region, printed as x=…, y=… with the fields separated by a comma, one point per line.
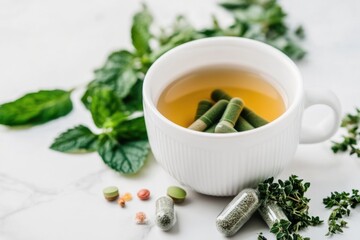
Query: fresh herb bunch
x=349, y=142
x=340, y=203
x=290, y=196
x=114, y=96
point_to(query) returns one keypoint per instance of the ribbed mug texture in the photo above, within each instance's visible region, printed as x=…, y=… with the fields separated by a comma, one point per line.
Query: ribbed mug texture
x=223, y=164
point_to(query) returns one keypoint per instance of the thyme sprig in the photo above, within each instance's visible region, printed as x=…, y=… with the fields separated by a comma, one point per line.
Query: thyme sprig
x=340, y=203
x=349, y=143
x=282, y=230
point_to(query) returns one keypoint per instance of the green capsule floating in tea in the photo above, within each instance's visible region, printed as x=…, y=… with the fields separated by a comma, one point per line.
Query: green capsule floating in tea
x=249, y=115
x=219, y=94
x=254, y=119
x=229, y=117
x=211, y=129
x=238, y=212
x=242, y=125
x=210, y=117
x=202, y=108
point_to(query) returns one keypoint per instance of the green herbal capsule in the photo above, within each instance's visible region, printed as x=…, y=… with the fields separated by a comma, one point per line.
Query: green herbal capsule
x=211, y=129
x=231, y=114
x=242, y=125
x=271, y=213
x=232, y=111
x=238, y=212
x=224, y=127
x=254, y=119
x=250, y=116
x=202, y=108
x=219, y=94
x=210, y=117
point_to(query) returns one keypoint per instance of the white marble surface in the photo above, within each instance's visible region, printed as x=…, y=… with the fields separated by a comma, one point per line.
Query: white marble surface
x=49, y=195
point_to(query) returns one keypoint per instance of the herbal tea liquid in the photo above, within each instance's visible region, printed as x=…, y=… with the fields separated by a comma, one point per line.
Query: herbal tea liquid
x=178, y=102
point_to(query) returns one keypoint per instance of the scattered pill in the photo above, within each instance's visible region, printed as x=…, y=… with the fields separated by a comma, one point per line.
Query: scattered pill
x=165, y=213
x=143, y=194
x=121, y=202
x=127, y=197
x=111, y=193
x=210, y=117
x=271, y=213
x=176, y=193
x=238, y=212
x=140, y=218
x=202, y=108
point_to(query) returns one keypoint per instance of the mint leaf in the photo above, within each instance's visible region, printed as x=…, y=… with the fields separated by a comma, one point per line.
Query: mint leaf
x=133, y=102
x=140, y=31
x=234, y=4
x=132, y=129
x=77, y=139
x=118, y=74
x=124, y=157
x=36, y=108
x=125, y=81
x=104, y=104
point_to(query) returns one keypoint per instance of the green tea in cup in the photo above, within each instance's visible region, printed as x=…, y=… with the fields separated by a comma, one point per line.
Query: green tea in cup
x=179, y=101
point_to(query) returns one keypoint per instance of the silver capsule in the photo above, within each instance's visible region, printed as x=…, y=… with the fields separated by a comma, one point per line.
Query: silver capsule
x=271, y=212
x=165, y=213
x=238, y=212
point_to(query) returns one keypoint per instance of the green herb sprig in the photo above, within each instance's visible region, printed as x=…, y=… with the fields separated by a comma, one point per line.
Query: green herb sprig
x=349, y=143
x=290, y=196
x=114, y=98
x=282, y=230
x=340, y=203
x=261, y=237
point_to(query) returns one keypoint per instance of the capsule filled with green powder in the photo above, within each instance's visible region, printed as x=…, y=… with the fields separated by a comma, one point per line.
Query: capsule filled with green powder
x=224, y=128
x=254, y=119
x=249, y=115
x=271, y=212
x=219, y=94
x=211, y=129
x=210, y=117
x=238, y=212
x=242, y=125
x=231, y=114
x=202, y=108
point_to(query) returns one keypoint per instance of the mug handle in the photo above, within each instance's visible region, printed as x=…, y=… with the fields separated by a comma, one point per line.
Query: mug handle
x=327, y=127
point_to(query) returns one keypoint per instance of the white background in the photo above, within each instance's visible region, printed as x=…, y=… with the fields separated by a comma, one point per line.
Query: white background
x=57, y=44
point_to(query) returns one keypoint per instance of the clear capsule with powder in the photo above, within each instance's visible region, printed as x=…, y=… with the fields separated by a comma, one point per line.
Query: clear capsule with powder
x=238, y=212
x=165, y=213
x=271, y=212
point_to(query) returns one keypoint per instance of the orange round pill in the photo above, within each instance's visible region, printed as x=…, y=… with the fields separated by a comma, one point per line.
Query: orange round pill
x=127, y=197
x=143, y=194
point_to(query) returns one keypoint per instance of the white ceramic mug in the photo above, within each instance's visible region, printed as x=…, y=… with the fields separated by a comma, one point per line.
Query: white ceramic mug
x=223, y=164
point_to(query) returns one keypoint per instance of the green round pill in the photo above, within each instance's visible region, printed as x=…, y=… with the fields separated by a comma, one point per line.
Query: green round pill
x=111, y=193
x=176, y=193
